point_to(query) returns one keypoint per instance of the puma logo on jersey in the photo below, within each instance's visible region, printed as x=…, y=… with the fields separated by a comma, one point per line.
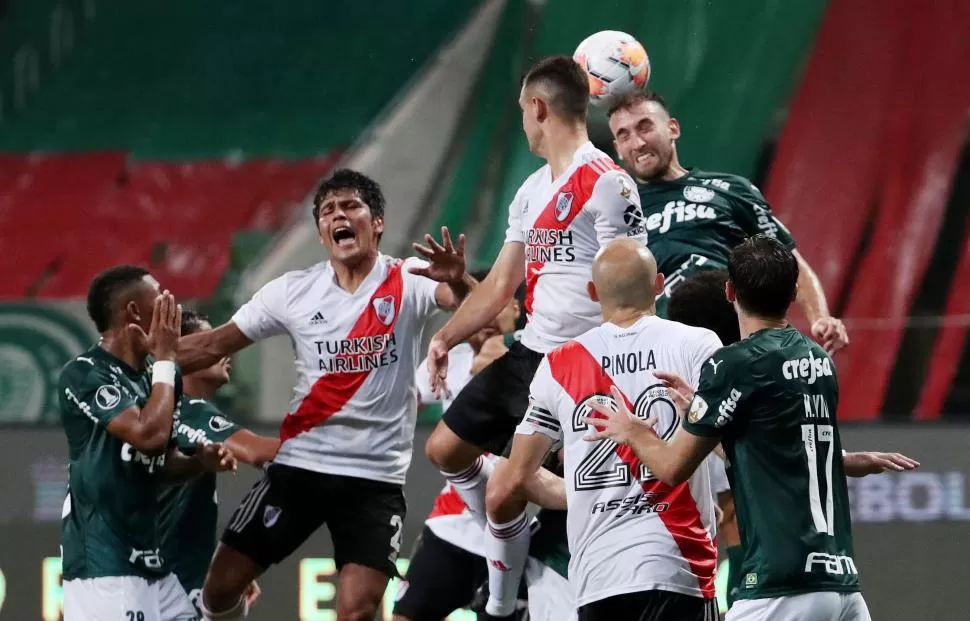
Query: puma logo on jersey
x=678, y=212
x=711, y=362
x=808, y=368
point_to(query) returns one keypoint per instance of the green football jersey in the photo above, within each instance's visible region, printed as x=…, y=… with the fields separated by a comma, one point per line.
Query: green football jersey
x=188, y=513
x=694, y=222
x=772, y=398
x=108, y=526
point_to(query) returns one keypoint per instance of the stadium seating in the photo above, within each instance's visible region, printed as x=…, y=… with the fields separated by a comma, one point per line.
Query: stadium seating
x=66, y=217
x=178, y=124
x=863, y=172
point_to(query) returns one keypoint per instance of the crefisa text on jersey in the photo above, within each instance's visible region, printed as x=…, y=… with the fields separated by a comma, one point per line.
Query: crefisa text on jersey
x=362, y=353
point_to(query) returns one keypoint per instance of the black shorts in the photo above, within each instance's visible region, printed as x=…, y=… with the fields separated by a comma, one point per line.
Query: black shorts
x=487, y=410
x=653, y=605
x=288, y=504
x=441, y=578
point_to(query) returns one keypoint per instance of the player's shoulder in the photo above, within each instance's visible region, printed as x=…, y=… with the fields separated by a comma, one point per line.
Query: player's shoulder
x=200, y=413
x=730, y=184
x=84, y=368
x=689, y=335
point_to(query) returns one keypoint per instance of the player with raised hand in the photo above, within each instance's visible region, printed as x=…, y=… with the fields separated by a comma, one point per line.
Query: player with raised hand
x=117, y=413
x=694, y=217
x=356, y=322
x=188, y=513
x=560, y=217
x=770, y=400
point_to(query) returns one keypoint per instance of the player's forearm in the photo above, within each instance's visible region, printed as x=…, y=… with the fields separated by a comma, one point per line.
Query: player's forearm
x=811, y=297
x=657, y=456
x=253, y=449
x=482, y=305
x=458, y=291
x=203, y=349
x=546, y=490
x=180, y=468
x=153, y=430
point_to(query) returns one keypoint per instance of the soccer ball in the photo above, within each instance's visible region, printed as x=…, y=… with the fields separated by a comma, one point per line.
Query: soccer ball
x=615, y=63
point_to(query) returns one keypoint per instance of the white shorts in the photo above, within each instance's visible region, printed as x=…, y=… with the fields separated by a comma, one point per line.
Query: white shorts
x=822, y=606
x=550, y=596
x=127, y=598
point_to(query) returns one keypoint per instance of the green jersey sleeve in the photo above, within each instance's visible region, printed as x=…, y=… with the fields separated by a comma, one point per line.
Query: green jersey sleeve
x=718, y=395
x=92, y=391
x=755, y=215
x=201, y=423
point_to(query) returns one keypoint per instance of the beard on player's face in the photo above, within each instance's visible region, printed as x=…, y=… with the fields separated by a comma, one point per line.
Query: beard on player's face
x=650, y=161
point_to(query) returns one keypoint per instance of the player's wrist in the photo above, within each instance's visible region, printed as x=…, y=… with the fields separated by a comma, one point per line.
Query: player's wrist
x=163, y=372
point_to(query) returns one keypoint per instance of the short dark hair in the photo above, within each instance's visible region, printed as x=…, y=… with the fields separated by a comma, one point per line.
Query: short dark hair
x=635, y=98
x=765, y=276
x=568, y=85
x=347, y=179
x=699, y=301
x=105, y=290
x=192, y=321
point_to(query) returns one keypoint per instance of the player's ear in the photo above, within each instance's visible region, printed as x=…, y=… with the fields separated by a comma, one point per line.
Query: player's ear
x=379, y=224
x=794, y=295
x=591, y=290
x=541, y=109
x=674, y=126
x=729, y=292
x=658, y=286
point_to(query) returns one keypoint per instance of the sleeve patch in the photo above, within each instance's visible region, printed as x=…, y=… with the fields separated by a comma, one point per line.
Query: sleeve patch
x=107, y=396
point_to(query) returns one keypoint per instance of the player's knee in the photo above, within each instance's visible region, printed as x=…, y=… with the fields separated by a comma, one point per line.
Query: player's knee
x=445, y=450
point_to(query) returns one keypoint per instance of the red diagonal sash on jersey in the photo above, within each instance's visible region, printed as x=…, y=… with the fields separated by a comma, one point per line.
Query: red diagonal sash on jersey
x=576, y=190
x=332, y=391
x=577, y=371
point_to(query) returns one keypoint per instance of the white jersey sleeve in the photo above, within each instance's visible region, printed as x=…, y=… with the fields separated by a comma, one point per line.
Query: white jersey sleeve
x=541, y=417
x=615, y=207
x=719, y=479
x=423, y=289
x=264, y=315
x=514, y=231
x=422, y=381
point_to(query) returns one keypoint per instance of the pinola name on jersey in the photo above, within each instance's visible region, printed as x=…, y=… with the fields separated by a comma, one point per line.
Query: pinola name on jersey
x=631, y=362
x=363, y=353
x=677, y=212
x=549, y=246
x=809, y=367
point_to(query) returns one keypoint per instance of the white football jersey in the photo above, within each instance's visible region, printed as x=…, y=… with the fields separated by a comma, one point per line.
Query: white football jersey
x=450, y=519
x=354, y=405
x=460, y=360
x=628, y=532
x=563, y=222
